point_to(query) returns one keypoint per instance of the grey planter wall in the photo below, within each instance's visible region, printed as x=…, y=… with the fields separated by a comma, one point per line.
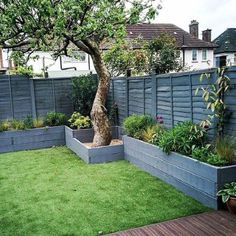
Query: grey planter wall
x=75, y=140
x=198, y=180
x=31, y=139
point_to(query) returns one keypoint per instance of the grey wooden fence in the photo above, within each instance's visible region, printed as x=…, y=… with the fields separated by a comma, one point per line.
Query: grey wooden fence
x=21, y=96
x=171, y=96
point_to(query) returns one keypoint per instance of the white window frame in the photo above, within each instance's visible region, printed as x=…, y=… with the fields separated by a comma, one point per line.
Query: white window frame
x=204, y=54
x=194, y=55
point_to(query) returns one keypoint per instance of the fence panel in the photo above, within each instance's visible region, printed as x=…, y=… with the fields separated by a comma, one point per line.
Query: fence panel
x=172, y=96
x=21, y=96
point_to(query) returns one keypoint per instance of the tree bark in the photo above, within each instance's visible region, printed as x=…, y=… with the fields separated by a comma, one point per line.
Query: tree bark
x=101, y=123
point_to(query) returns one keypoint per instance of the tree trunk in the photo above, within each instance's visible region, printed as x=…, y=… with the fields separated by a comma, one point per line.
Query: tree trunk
x=101, y=124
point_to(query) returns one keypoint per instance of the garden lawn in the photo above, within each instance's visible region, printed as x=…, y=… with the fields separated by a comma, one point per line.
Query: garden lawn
x=52, y=192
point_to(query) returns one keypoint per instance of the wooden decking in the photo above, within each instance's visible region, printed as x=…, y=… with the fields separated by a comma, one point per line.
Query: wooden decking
x=215, y=223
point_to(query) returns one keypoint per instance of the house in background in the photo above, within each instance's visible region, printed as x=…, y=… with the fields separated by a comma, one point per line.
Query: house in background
x=195, y=53
x=225, y=54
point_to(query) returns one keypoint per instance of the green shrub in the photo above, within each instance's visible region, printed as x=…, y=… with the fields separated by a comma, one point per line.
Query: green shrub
x=201, y=153
x=135, y=125
x=153, y=133
x=28, y=122
x=216, y=160
x=83, y=93
x=206, y=154
x=55, y=119
x=18, y=125
x=183, y=138
x=5, y=126
x=38, y=123
x=80, y=122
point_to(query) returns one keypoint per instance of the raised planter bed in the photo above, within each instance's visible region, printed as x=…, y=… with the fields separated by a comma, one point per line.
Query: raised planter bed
x=75, y=140
x=197, y=179
x=32, y=139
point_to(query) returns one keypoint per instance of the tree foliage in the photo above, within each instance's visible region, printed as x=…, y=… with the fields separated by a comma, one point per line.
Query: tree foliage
x=160, y=54
x=56, y=25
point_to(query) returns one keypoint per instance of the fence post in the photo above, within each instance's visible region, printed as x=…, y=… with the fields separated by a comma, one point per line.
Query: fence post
x=171, y=102
x=127, y=96
x=191, y=95
x=154, y=96
x=11, y=97
x=53, y=95
x=32, y=94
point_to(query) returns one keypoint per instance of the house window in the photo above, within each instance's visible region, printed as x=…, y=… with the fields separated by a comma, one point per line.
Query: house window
x=204, y=54
x=194, y=55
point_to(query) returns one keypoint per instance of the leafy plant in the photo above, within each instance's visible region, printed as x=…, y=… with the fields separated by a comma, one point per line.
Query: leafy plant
x=206, y=154
x=38, y=123
x=83, y=93
x=201, y=153
x=216, y=160
x=5, y=125
x=225, y=148
x=80, y=122
x=23, y=70
x=18, y=125
x=183, y=138
x=135, y=125
x=55, y=119
x=28, y=122
x=153, y=134
x=213, y=95
x=228, y=191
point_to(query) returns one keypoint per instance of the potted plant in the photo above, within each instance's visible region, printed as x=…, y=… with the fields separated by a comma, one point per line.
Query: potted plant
x=228, y=195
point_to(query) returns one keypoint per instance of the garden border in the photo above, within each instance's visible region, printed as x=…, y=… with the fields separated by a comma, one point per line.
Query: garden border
x=29, y=139
x=196, y=179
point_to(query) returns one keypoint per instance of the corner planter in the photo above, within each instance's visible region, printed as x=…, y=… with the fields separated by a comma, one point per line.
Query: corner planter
x=75, y=140
x=31, y=139
x=196, y=179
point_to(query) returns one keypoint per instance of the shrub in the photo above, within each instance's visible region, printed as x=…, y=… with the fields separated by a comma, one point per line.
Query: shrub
x=205, y=154
x=225, y=148
x=5, y=126
x=83, y=93
x=183, y=138
x=18, y=125
x=135, y=125
x=28, y=122
x=80, y=122
x=55, y=119
x=152, y=134
x=38, y=123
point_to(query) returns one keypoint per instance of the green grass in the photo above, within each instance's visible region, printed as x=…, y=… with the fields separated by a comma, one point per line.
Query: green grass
x=51, y=192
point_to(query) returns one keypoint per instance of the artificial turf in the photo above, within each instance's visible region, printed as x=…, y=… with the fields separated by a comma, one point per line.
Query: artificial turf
x=52, y=192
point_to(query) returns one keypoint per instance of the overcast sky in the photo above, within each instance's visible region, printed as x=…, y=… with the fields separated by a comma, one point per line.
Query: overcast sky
x=217, y=15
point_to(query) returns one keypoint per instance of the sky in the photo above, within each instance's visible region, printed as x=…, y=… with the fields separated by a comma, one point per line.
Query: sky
x=217, y=15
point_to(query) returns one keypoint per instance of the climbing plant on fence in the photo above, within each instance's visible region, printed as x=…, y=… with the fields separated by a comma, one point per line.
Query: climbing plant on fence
x=213, y=95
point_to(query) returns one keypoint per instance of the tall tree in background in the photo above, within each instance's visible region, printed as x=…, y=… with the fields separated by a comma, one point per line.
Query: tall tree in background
x=160, y=54
x=54, y=25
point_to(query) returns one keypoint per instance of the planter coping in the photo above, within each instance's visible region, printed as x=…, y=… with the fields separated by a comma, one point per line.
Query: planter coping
x=93, y=148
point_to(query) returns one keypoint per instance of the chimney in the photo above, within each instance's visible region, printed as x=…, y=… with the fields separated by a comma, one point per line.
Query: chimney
x=193, y=28
x=206, y=35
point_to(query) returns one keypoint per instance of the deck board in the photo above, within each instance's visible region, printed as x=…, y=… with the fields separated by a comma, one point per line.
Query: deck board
x=216, y=223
